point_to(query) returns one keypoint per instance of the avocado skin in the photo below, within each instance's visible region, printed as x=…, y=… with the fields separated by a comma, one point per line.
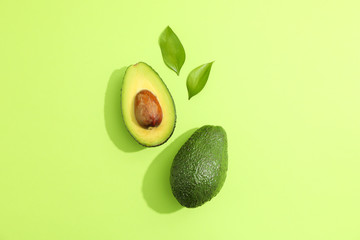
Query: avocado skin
x=122, y=113
x=198, y=171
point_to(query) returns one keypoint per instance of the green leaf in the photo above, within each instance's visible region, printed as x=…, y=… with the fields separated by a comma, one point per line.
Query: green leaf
x=197, y=79
x=172, y=50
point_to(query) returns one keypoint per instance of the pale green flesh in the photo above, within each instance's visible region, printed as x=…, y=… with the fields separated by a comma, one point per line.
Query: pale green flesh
x=139, y=77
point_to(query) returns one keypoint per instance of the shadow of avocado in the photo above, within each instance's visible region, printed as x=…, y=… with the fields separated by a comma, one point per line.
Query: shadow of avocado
x=156, y=184
x=114, y=123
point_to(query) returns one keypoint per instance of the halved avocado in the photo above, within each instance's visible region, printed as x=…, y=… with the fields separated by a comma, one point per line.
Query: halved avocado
x=142, y=84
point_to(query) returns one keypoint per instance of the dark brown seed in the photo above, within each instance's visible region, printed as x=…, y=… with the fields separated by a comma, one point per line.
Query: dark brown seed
x=148, y=112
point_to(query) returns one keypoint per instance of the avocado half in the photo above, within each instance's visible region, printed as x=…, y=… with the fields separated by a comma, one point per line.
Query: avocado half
x=139, y=77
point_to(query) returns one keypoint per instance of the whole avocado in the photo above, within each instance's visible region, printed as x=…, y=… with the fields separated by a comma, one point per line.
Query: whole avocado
x=199, y=168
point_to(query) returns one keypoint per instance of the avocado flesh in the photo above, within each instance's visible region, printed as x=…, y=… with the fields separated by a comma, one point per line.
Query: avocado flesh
x=139, y=77
x=199, y=169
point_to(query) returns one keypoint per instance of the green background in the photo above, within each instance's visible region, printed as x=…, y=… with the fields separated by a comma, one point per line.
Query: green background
x=285, y=85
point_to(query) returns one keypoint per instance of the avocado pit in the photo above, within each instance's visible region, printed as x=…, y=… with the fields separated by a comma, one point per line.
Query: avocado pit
x=148, y=112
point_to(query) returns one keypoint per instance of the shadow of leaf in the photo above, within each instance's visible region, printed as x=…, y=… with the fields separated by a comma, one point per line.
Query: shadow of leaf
x=114, y=123
x=156, y=184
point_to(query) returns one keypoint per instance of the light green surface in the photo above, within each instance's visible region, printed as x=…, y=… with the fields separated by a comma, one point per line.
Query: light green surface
x=285, y=85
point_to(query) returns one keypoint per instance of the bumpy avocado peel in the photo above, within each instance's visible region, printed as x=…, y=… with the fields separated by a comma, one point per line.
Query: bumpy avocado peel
x=198, y=171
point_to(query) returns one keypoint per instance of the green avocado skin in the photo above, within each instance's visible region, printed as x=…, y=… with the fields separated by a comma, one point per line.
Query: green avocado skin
x=199, y=169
